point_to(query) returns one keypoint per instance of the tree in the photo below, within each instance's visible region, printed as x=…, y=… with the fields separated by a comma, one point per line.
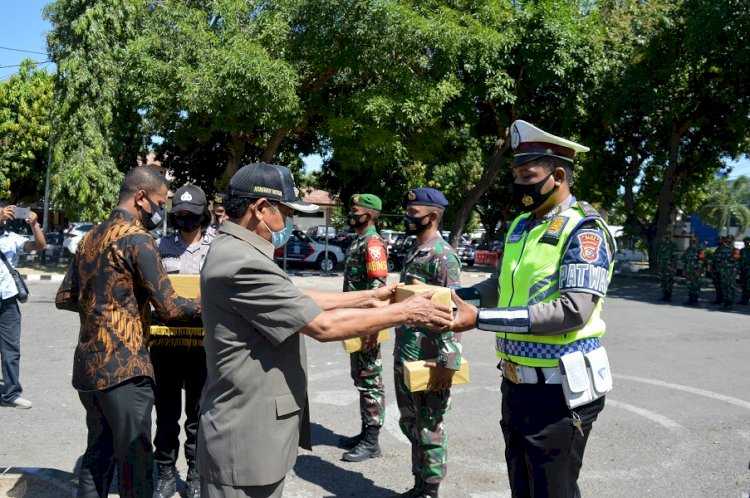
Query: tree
x=97, y=129
x=25, y=100
x=726, y=204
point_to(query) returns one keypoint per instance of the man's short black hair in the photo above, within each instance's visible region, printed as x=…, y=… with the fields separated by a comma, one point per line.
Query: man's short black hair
x=236, y=207
x=141, y=178
x=551, y=162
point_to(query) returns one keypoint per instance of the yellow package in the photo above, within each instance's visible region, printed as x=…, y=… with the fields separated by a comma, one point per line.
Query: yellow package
x=186, y=285
x=417, y=375
x=355, y=344
x=442, y=294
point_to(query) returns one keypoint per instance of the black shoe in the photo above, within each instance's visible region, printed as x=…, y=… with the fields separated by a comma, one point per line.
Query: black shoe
x=350, y=442
x=367, y=448
x=167, y=485
x=193, y=482
x=429, y=490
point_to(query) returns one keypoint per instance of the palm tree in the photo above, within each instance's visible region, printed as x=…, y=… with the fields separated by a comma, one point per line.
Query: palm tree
x=727, y=203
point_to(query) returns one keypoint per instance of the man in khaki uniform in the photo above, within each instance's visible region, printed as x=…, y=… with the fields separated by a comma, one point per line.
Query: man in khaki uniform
x=254, y=410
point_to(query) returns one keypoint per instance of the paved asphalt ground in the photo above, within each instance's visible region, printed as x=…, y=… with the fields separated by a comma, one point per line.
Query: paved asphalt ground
x=676, y=423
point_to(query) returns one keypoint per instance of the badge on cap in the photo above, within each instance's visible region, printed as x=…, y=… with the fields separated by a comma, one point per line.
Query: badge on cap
x=218, y=199
x=411, y=195
x=355, y=199
x=186, y=197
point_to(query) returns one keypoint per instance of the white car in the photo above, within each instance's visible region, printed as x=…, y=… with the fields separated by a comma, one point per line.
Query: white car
x=73, y=235
x=302, y=249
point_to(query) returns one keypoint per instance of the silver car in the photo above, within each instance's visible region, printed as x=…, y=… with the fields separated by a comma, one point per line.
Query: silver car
x=73, y=235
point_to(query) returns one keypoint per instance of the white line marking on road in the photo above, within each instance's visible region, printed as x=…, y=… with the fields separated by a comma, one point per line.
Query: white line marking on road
x=665, y=422
x=391, y=423
x=692, y=390
x=327, y=375
x=335, y=398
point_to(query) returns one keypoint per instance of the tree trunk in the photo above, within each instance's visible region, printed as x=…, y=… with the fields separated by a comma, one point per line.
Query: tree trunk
x=666, y=197
x=236, y=151
x=274, y=143
x=473, y=195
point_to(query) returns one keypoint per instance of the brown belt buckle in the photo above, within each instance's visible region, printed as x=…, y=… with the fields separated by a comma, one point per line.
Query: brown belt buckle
x=510, y=371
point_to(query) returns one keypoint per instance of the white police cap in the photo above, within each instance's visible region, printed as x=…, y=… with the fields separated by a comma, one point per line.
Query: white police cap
x=530, y=143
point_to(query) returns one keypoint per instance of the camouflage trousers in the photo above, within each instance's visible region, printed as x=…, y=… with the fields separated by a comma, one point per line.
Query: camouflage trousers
x=666, y=277
x=743, y=285
x=421, y=421
x=693, y=281
x=367, y=374
x=728, y=285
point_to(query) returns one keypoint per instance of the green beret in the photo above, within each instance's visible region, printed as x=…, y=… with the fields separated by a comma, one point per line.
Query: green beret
x=369, y=201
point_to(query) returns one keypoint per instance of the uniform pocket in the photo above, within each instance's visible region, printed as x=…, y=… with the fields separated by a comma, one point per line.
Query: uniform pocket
x=172, y=265
x=286, y=405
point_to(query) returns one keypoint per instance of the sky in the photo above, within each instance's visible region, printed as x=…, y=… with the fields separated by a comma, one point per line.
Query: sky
x=23, y=28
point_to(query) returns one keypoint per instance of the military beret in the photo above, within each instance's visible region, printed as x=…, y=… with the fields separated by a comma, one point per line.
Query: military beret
x=746, y=239
x=425, y=196
x=369, y=201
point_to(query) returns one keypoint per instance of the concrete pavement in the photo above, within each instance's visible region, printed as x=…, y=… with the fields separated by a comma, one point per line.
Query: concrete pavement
x=675, y=423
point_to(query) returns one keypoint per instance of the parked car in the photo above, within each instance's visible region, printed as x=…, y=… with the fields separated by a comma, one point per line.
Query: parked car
x=467, y=254
x=319, y=232
x=389, y=238
x=73, y=235
x=301, y=249
x=398, y=251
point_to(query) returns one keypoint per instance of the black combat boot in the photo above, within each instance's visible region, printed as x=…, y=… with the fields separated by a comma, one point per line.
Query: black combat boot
x=667, y=296
x=193, y=481
x=727, y=305
x=367, y=448
x=414, y=492
x=430, y=490
x=350, y=442
x=167, y=486
x=692, y=299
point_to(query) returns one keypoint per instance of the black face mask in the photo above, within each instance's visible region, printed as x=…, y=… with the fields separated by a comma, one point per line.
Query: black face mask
x=413, y=225
x=355, y=220
x=153, y=219
x=530, y=197
x=189, y=223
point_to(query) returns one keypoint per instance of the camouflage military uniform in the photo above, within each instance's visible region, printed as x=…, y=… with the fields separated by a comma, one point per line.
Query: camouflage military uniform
x=435, y=263
x=667, y=259
x=726, y=267
x=744, y=265
x=693, y=264
x=367, y=366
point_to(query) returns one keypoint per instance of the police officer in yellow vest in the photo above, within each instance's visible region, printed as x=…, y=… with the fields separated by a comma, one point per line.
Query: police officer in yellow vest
x=545, y=312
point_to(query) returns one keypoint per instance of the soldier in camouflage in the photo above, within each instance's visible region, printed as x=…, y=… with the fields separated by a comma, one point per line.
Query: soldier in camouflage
x=666, y=260
x=693, y=264
x=715, y=274
x=366, y=268
x=431, y=260
x=726, y=267
x=744, y=265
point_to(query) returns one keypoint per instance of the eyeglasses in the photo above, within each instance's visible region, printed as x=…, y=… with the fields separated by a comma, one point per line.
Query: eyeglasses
x=285, y=211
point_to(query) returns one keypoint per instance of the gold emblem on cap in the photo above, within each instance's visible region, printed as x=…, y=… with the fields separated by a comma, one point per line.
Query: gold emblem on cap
x=411, y=195
x=527, y=200
x=549, y=151
x=218, y=199
x=356, y=199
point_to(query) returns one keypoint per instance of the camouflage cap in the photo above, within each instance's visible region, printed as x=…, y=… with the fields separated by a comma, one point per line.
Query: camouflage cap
x=369, y=201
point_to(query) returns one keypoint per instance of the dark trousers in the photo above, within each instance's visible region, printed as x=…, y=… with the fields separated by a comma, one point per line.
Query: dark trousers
x=175, y=368
x=119, y=424
x=543, y=449
x=10, y=348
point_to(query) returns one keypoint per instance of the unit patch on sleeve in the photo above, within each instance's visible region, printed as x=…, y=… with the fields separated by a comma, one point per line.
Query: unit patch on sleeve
x=376, y=259
x=585, y=262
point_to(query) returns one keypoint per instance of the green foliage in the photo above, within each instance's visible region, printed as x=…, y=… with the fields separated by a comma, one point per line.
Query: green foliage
x=25, y=100
x=727, y=204
x=97, y=126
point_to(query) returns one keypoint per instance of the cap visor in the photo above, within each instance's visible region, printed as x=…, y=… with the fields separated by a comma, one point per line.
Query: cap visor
x=184, y=206
x=302, y=206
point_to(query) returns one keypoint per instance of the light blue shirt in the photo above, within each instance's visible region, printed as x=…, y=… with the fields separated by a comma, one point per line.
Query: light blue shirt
x=12, y=245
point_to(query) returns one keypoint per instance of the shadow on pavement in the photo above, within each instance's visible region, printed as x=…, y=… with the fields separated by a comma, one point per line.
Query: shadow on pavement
x=647, y=290
x=337, y=481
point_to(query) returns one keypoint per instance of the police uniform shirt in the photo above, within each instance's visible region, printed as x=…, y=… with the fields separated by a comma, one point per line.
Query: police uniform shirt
x=11, y=244
x=179, y=257
x=578, y=296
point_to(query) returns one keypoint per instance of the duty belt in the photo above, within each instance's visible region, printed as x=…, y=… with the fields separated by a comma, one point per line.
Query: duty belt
x=521, y=374
x=543, y=350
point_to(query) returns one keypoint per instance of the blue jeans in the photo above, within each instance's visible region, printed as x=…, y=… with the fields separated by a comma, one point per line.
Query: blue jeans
x=10, y=348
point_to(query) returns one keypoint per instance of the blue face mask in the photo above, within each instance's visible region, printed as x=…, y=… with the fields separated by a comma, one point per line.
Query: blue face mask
x=278, y=239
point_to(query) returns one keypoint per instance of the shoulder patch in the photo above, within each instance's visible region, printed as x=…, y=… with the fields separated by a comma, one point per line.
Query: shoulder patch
x=554, y=230
x=590, y=243
x=588, y=209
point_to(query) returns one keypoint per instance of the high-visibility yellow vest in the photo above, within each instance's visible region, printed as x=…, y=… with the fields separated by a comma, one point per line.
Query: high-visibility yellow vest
x=530, y=274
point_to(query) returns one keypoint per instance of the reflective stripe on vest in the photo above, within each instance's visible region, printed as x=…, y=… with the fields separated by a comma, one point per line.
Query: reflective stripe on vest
x=530, y=275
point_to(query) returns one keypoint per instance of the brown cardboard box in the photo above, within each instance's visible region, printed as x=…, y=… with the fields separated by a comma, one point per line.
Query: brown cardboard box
x=442, y=294
x=354, y=345
x=186, y=285
x=417, y=375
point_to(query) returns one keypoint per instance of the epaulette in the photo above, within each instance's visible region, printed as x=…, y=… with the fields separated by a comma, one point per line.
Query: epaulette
x=588, y=209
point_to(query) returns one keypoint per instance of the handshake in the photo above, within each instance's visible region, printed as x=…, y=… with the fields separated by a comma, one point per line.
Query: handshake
x=428, y=306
